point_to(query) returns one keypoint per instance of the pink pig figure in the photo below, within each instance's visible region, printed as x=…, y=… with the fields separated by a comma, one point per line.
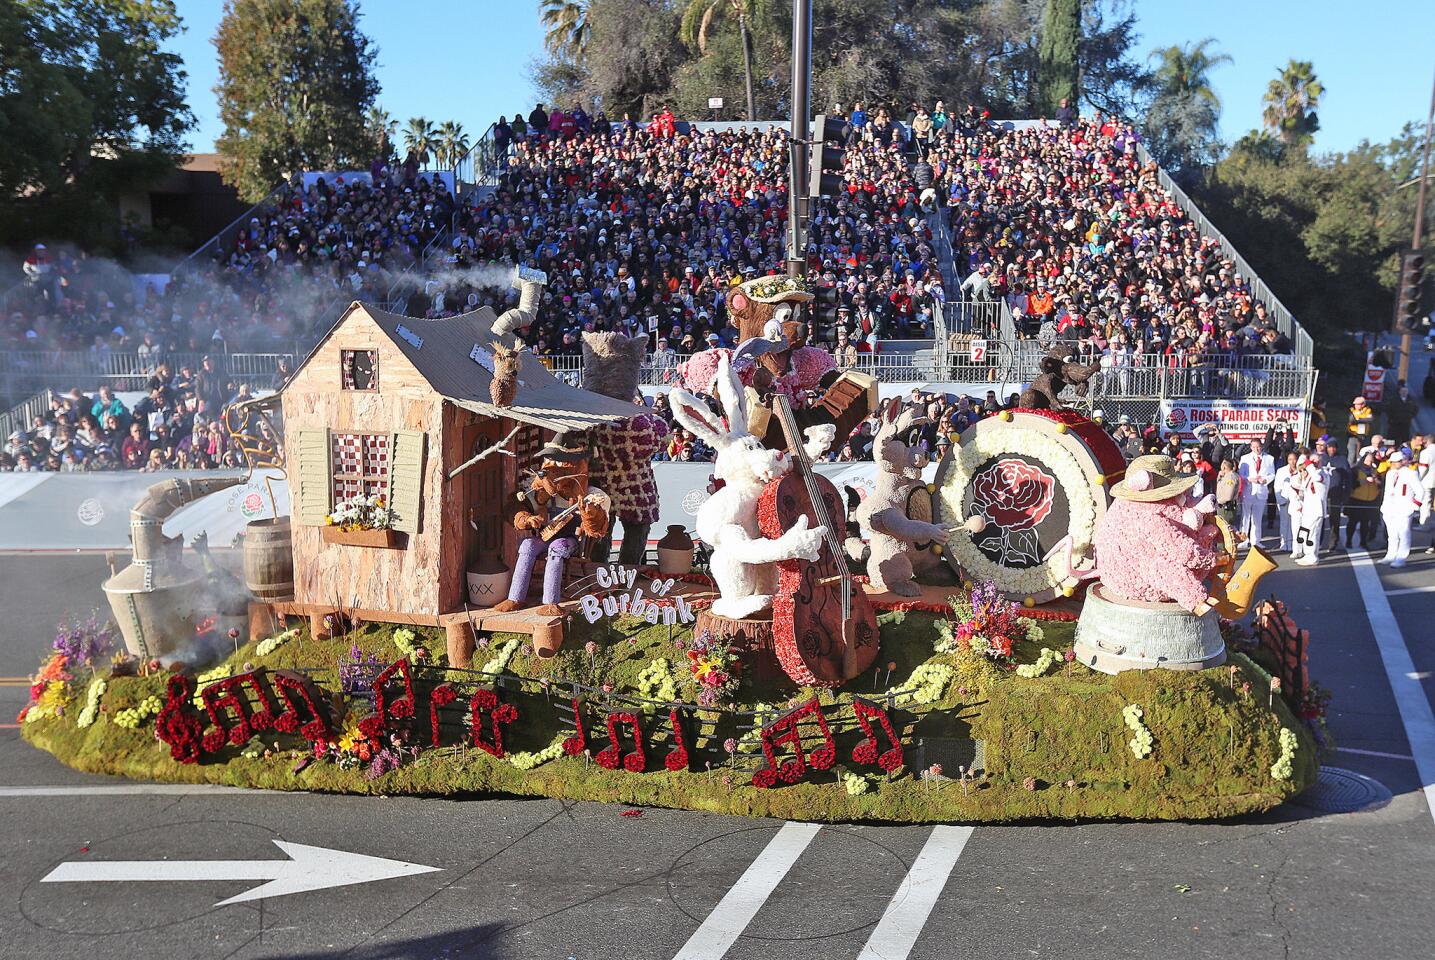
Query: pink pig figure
x=1155, y=543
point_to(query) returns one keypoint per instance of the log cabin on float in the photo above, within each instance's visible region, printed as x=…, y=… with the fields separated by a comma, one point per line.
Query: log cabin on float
x=394, y=405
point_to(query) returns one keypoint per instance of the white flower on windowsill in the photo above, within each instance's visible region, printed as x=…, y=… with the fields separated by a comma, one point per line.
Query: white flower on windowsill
x=361, y=513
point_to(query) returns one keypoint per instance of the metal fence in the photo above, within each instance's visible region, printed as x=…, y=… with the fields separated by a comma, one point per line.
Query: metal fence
x=480, y=166
x=20, y=416
x=24, y=372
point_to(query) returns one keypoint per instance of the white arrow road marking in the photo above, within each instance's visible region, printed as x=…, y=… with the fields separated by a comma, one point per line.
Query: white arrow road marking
x=741, y=903
x=1410, y=699
x=896, y=933
x=310, y=868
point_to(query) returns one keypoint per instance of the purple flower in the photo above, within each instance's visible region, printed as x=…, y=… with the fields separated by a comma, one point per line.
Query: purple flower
x=82, y=641
x=356, y=674
x=384, y=761
x=730, y=745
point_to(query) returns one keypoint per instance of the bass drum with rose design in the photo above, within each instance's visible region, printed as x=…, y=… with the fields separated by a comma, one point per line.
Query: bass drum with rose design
x=1039, y=480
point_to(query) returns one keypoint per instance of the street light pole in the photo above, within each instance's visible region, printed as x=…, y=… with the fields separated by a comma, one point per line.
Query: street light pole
x=798, y=135
x=1418, y=237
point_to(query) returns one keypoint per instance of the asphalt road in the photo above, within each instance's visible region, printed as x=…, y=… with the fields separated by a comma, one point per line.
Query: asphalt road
x=543, y=879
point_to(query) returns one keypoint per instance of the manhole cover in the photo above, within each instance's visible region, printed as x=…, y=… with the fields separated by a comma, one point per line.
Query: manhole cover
x=1343, y=791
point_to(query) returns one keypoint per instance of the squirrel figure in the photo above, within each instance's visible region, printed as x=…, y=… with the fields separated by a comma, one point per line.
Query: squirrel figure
x=503, y=388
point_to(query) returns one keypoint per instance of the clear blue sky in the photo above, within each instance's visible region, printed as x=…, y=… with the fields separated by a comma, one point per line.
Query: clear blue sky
x=467, y=60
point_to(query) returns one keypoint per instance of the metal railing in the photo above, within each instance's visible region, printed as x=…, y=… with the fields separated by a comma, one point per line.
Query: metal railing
x=225, y=237
x=20, y=416
x=480, y=166
x=27, y=371
x=1148, y=376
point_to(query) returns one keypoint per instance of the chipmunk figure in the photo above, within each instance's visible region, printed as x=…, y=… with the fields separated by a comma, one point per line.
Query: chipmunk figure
x=558, y=507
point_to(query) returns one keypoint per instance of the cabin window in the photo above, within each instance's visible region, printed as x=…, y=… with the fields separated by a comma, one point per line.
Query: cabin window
x=360, y=369
x=361, y=464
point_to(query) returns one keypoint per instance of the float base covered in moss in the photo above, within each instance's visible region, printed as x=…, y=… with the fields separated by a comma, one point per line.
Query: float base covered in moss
x=1054, y=745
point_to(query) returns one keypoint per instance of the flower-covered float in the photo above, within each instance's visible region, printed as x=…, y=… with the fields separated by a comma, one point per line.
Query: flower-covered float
x=976, y=710
x=774, y=681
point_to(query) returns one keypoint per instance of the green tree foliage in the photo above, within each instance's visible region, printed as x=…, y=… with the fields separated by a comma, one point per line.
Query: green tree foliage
x=698, y=20
x=1290, y=104
x=421, y=138
x=295, y=83
x=383, y=128
x=91, y=106
x=565, y=25
x=1059, y=71
x=452, y=143
x=1180, y=121
x=985, y=52
x=1325, y=232
x=632, y=52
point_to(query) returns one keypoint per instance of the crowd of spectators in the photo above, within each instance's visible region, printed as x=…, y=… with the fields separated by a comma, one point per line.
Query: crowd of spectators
x=267, y=286
x=1064, y=223
x=183, y=419
x=643, y=228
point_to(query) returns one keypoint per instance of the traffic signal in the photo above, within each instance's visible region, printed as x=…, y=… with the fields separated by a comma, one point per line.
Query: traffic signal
x=824, y=314
x=824, y=172
x=1412, y=277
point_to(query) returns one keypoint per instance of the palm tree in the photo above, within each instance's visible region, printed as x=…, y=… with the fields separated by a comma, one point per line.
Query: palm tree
x=1180, y=122
x=566, y=22
x=697, y=24
x=452, y=143
x=1291, y=101
x=385, y=129
x=1185, y=72
x=419, y=136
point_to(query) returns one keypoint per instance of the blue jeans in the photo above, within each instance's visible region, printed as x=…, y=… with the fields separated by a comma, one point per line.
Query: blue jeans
x=559, y=550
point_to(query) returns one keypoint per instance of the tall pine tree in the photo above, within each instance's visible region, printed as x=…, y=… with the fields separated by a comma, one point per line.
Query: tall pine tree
x=1059, y=71
x=295, y=82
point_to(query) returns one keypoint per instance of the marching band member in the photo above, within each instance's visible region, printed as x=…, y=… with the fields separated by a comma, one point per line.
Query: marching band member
x=1403, y=496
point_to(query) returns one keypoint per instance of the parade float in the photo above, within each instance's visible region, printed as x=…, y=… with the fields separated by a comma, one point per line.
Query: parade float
x=1041, y=633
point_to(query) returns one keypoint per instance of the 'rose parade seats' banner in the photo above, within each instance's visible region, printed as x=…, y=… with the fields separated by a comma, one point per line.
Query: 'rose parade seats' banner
x=1238, y=419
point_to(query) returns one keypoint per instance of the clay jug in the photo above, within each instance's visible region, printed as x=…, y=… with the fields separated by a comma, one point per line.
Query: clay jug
x=488, y=581
x=675, y=551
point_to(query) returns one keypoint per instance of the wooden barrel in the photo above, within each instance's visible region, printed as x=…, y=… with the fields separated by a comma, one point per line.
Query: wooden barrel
x=269, y=560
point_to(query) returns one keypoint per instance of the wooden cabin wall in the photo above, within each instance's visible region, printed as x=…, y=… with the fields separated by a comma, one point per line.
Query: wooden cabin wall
x=404, y=580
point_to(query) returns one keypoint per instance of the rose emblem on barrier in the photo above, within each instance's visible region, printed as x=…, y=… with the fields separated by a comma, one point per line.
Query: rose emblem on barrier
x=1014, y=496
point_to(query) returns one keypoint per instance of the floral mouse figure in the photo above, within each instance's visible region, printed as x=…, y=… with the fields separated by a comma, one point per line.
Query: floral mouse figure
x=558, y=506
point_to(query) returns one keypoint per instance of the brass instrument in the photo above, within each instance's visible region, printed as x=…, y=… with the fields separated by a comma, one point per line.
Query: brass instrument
x=1234, y=587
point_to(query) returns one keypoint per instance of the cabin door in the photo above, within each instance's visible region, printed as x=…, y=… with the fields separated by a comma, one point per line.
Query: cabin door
x=484, y=502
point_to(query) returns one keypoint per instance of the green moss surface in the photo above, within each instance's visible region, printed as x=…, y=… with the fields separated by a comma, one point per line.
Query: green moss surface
x=1055, y=745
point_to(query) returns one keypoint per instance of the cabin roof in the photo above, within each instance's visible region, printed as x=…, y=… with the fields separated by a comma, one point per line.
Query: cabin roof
x=455, y=356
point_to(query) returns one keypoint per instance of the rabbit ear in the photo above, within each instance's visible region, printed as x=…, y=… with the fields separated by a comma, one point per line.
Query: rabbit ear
x=696, y=418
x=733, y=397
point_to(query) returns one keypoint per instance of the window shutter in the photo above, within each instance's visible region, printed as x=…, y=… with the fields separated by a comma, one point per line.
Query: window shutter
x=311, y=476
x=406, y=478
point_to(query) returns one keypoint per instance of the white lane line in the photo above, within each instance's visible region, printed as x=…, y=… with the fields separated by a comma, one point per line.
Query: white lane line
x=1375, y=753
x=896, y=933
x=1410, y=696
x=737, y=908
x=1407, y=591
x=132, y=789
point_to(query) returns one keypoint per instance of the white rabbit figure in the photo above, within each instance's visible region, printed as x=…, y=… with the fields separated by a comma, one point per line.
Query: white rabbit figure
x=742, y=558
